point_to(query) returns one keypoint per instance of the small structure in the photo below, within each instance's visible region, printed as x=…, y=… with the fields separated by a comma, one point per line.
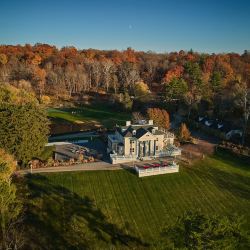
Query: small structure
x=147, y=170
x=141, y=141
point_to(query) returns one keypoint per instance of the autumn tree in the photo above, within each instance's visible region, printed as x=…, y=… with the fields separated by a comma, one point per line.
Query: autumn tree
x=107, y=70
x=3, y=59
x=128, y=75
x=3, y=69
x=11, y=236
x=39, y=79
x=184, y=133
x=159, y=116
x=141, y=91
x=175, y=72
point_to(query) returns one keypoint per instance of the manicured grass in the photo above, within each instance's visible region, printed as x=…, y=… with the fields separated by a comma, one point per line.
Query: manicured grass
x=99, y=114
x=105, y=209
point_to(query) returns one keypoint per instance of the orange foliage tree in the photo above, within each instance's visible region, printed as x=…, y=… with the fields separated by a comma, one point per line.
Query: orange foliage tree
x=159, y=116
x=175, y=72
x=184, y=133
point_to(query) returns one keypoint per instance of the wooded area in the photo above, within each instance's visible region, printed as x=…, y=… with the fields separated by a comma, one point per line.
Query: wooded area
x=214, y=85
x=69, y=71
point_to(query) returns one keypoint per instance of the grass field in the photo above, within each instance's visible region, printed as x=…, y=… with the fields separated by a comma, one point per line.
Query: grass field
x=105, y=209
x=98, y=114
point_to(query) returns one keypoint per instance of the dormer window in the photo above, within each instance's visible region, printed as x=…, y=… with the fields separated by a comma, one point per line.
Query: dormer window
x=153, y=130
x=134, y=132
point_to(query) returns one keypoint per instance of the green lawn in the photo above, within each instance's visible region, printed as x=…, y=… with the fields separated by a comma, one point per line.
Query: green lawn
x=105, y=209
x=99, y=114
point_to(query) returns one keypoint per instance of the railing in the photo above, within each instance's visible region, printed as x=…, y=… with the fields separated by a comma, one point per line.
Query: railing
x=120, y=157
x=169, y=152
x=157, y=169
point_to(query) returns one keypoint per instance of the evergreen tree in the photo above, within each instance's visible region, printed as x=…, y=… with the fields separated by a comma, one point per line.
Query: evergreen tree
x=216, y=81
x=196, y=86
x=175, y=89
x=23, y=125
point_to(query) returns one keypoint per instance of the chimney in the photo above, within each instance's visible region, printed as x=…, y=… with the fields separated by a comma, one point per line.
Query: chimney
x=150, y=122
x=128, y=123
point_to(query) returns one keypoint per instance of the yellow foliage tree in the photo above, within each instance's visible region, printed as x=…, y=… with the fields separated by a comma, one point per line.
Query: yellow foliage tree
x=45, y=100
x=141, y=89
x=3, y=59
x=7, y=165
x=11, y=94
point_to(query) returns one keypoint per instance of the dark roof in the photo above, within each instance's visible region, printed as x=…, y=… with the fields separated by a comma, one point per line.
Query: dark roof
x=127, y=133
x=158, y=132
x=140, y=131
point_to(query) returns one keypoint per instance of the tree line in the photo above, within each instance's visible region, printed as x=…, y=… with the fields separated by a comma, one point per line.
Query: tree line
x=70, y=71
x=216, y=85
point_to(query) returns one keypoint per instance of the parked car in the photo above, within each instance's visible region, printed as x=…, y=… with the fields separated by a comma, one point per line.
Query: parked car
x=146, y=166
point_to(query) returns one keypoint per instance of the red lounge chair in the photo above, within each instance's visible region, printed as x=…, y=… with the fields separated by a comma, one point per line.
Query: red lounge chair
x=156, y=165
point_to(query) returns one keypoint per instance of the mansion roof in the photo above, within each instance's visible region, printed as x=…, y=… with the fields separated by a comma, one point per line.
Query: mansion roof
x=138, y=131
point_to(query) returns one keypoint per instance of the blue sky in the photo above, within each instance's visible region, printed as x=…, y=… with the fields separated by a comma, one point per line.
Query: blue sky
x=158, y=25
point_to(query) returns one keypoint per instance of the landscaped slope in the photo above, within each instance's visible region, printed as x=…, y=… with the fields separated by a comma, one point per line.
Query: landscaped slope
x=89, y=114
x=104, y=208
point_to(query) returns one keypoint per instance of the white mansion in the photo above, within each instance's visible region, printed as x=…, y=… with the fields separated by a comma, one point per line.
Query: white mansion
x=140, y=141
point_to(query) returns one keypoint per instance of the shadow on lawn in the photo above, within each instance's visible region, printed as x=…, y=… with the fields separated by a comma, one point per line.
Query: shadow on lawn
x=60, y=219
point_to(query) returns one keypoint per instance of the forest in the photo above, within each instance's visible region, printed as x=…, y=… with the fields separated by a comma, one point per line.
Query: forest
x=186, y=82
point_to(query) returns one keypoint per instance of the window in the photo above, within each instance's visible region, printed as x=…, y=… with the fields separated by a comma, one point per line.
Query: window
x=156, y=148
x=132, y=150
